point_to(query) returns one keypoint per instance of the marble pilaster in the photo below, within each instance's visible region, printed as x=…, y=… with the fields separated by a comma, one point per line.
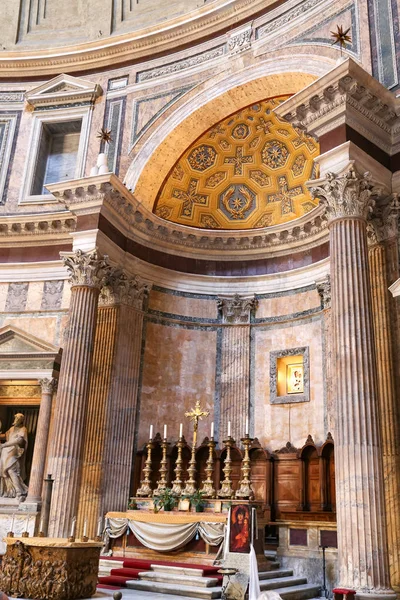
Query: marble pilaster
x=110, y=423
x=362, y=534
x=381, y=255
x=87, y=271
x=235, y=364
x=41, y=442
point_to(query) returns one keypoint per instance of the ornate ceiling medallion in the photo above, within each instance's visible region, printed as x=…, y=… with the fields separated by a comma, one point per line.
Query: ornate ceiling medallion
x=246, y=172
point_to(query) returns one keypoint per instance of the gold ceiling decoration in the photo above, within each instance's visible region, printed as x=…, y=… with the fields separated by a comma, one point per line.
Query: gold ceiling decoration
x=247, y=171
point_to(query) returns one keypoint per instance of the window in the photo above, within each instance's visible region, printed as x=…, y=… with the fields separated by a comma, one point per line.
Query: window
x=57, y=154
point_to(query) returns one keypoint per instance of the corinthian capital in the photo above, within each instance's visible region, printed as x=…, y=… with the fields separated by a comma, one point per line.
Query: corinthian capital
x=385, y=219
x=86, y=268
x=347, y=194
x=120, y=288
x=236, y=310
x=48, y=385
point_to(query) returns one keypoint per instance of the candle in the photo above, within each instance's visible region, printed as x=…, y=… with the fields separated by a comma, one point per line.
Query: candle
x=180, y=430
x=212, y=429
x=12, y=522
x=151, y=432
x=165, y=432
x=41, y=525
x=229, y=429
x=27, y=522
x=247, y=425
x=99, y=526
x=73, y=526
x=85, y=528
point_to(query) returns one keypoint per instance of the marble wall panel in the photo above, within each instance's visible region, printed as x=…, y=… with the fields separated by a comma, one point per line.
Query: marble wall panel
x=188, y=306
x=277, y=424
x=35, y=295
x=41, y=327
x=52, y=295
x=17, y=296
x=178, y=369
x=3, y=296
x=288, y=304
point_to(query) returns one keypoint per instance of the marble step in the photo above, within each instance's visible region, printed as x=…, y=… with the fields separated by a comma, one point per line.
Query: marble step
x=279, y=582
x=177, y=570
x=186, y=580
x=274, y=574
x=175, y=589
x=299, y=592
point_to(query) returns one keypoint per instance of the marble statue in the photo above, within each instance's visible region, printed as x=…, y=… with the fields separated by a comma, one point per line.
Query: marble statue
x=12, y=460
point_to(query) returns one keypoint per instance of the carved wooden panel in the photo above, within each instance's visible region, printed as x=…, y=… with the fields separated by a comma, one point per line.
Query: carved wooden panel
x=286, y=483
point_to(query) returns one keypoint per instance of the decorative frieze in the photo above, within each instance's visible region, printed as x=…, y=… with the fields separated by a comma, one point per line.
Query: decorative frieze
x=120, y=288
x=385, y=220
x=240, y=41
x=86, y=268
x=236, y=310
x=348, y=194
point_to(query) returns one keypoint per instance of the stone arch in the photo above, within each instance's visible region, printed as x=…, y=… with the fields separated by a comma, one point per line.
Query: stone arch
x=206, y=105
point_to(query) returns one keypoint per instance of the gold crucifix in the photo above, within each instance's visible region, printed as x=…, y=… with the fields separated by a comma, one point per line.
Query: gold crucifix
x=194, y=415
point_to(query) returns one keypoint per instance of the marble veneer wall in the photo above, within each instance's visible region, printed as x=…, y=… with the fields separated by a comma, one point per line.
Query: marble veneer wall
x=182, y=360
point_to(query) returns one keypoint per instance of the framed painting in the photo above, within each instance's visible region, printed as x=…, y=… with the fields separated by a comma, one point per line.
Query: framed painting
x=295, y=378
x=240, y=528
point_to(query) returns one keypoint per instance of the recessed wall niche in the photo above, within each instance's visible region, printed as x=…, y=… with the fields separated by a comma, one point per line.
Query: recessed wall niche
x=290, y=375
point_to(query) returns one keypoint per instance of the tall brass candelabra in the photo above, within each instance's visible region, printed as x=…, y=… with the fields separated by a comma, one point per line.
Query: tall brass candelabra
x=208, y=490
x=177, y=483
x=245, y=490
x=194, y=415
x=145, y=485
x=226, y=490
x=162, y=483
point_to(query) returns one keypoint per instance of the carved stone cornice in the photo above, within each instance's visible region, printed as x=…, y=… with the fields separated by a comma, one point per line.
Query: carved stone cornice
x=384, y=224
x=324, y=291
x=48, y=385
x=240, y=40
x=120, y=288
x=236, y=310
x=87, y=269
x=108, y=195
x=346, y=95
x=44, y=227
x=347, y=194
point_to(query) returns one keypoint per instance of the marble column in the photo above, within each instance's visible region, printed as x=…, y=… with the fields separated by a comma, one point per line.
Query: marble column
x=324, y=291
x=110, y=422
x=235, y=364
x=382, y=251
x=41, y=442
x=361, y=520
x=87, y=271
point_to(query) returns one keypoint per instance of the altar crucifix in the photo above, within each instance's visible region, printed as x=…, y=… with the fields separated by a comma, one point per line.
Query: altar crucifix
x=194, y=415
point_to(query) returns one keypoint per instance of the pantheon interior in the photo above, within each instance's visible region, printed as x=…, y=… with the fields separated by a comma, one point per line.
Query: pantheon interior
x=199, y=285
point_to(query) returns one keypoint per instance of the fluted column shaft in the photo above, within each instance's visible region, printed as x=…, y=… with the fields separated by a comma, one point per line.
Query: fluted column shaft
x=41, y=442
x=87, y=271
x=110, y=423
x=387, y=403
x=361, y=521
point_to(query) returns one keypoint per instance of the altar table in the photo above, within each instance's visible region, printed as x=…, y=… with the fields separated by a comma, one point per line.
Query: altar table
x=167, y=531
x=44, y=568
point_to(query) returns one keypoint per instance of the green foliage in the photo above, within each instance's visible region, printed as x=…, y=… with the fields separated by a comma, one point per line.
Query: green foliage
x=197, y=499
x=165, y=500
x=132, y=504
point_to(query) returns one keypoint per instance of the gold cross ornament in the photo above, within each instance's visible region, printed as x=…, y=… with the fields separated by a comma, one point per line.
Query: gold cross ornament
x=197, y=414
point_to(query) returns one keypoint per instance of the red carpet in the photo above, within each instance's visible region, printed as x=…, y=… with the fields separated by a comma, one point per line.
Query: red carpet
x=131, y=567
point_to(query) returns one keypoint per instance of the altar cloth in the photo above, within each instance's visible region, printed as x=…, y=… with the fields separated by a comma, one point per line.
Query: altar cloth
x=164, y=532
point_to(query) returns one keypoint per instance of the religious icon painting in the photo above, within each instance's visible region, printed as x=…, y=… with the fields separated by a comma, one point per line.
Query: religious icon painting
x=295, y=378
x=239, y=539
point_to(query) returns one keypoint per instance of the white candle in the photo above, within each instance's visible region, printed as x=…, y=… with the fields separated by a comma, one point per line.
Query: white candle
x=229, y=429
x=99, y=526
x=85, y=528
x=12, y=522
x=180, y=430
x=41, y=525
x=27, y=522
x=165, y=432
x=73, y=526
x=151, y=432
x=212, y=429
x=247, y=425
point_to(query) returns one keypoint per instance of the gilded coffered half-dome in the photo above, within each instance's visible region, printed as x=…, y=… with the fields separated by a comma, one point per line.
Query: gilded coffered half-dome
x=248, y=171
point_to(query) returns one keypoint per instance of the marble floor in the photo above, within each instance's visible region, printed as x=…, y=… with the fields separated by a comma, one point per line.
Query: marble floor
x=132, y=595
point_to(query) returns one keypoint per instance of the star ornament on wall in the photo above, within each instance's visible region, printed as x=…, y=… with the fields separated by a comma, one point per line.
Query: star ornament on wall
x=105, y=135
x=341, y=37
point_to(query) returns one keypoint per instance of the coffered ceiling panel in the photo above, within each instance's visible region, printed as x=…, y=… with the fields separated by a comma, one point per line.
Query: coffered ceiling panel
x=247, y=171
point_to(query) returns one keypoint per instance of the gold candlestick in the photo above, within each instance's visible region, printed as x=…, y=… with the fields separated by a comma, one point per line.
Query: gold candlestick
x=162, y=482
x=177, y=483
x=145, y=485
x=208, y=490
x=245, y=490
x=226, y=490
x=196, y=414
